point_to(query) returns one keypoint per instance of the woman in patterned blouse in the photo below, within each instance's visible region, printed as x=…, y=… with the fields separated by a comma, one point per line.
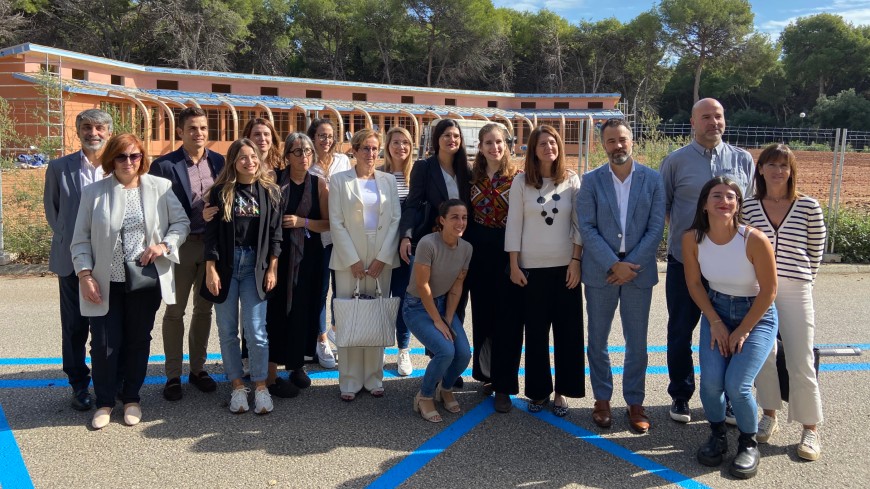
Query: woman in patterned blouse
x=491, y=178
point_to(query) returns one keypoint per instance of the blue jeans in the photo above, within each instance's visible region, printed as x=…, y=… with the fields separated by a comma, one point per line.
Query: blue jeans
x=734, y=375
x=450, y=358
x=243, y=292
x=398, y=286
x=328, y=277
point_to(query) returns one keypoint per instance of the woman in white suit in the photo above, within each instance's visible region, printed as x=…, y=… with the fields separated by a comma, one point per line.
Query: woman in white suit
x=129, y=216
x=364, y=215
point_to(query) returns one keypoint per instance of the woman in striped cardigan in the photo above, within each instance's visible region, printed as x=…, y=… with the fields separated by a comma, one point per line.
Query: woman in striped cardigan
x=795, y=226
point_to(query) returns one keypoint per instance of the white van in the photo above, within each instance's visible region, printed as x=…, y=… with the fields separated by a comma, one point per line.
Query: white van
x=469, y=128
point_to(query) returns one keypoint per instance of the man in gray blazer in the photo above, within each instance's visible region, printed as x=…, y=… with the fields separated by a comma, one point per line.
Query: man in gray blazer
x=64, y=180
x=621, y=215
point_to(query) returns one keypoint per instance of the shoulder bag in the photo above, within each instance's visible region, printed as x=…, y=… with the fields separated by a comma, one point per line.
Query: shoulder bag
x=363, y=321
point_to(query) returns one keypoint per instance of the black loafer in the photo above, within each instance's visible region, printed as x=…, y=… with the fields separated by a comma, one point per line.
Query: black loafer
x=82, y=401
x=172, y=390
x=503, y=403
x=283, y=389
x=300, y=378
x=203, y=382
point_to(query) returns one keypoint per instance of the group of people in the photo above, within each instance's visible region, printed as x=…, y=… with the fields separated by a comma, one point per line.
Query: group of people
x=263, y=235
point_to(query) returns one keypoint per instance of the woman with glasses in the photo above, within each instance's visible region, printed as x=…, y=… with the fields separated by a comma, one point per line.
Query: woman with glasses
x=364, y=218
x=242, y=245
x=328, y=161
x=398, y=160
x=126, y=221
x=489, y=286
x=293, y=312
x=444, y=175
x=543, y=241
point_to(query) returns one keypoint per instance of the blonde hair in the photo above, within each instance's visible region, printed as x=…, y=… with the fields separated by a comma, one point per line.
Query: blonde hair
x=388, y=158
x=507, y=168
x=228, y=178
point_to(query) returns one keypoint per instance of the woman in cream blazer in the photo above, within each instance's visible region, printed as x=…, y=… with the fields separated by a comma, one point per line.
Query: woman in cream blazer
x=364, y=216
x=128, y=216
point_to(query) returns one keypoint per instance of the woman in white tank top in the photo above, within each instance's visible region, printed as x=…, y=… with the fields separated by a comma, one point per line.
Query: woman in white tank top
x=739, y=322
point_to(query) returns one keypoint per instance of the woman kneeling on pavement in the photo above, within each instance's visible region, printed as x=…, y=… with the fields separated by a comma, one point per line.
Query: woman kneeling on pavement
x=433, y=295
x=739, y=322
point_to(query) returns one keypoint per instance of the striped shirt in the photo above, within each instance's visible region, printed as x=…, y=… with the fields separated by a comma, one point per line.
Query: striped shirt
x=401, y=185
x=799, y=241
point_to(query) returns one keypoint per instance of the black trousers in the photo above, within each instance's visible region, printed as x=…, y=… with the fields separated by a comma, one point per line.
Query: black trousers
x=121, y=343
x=507, y=342
x=548, y=302
x=74, y=333
x=293, y=334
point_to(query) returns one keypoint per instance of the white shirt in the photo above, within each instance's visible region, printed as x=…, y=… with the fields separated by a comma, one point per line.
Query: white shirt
x=90, y=173
x=368, y=189
x=623, y=189
x=450, y=181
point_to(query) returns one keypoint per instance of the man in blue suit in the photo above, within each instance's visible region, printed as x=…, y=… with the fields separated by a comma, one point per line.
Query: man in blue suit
x=621, y=215
x=64, y=180
x=192, y=169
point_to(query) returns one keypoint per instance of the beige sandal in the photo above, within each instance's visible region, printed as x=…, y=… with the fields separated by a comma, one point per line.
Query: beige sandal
x=451, y=406
x=431, y=416
x=101, y=418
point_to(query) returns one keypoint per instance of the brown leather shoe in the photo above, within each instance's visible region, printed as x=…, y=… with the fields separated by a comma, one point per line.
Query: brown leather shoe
x=637, y=418
x=601, y=414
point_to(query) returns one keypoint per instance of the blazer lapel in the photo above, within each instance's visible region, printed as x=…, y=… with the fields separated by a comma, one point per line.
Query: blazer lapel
x=437, y=176
x=74, y=167
x=383, y=190
x=118, y=204
x=180, y=168
x=149, y=206
x=606, y=181
x=637, y=180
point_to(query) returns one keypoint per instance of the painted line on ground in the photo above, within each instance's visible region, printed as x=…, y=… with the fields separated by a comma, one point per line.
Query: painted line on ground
x=614, y=449
x=416, y=460
x=13, y=471
x=387, y=351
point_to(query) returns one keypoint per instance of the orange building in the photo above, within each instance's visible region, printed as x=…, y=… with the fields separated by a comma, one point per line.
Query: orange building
x=47, y=87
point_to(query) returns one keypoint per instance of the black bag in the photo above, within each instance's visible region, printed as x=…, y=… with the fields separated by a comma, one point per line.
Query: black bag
x=782, y=371
x=140, y=277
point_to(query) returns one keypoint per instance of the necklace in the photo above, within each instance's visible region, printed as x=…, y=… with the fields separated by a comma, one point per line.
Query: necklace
x=541, y=200
x=776, y=200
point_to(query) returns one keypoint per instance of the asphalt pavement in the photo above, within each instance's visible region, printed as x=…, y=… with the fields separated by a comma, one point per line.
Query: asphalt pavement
x=318, y=441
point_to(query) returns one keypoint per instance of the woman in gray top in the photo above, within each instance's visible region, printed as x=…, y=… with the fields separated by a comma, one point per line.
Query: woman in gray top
x=430, y=305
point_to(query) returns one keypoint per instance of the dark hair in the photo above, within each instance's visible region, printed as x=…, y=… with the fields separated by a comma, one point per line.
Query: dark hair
x=312, y=132
x=533, y=170
x=478, y=169
x=772, y=154
x=116, y=145
x=613, y=122
x=189, y=113
x=460, y=159
x=701, y=224
x=273, y=157
x=444, y=208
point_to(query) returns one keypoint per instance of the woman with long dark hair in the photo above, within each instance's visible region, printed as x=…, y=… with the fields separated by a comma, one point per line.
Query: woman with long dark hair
x=544, y=244
x=739, y=323
x=795, y=226
x=488, y=284
x=242, y=245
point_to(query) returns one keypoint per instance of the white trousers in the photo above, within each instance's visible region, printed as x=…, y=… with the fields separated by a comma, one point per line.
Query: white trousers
x=360, y=368
x=794, y=304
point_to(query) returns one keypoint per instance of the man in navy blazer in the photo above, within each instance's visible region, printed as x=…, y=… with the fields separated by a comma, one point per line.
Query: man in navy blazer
x=64, y=180
x=192, y=169
x=621, y=215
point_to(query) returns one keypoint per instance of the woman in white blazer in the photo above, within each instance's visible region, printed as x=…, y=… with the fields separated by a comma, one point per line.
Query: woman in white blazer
x=129, y=216
x=364, y=215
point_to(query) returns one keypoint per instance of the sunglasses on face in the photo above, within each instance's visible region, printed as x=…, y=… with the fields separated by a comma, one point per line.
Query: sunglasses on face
x=133, y=157
x=299, y=152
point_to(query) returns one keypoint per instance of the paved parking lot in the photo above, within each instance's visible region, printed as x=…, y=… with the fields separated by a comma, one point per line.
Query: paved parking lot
x=317, y=441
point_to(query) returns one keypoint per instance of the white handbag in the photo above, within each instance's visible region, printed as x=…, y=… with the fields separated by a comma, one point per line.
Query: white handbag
x=363, y=321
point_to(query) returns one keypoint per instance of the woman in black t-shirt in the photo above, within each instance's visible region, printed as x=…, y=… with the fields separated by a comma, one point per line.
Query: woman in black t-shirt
x=242, y=245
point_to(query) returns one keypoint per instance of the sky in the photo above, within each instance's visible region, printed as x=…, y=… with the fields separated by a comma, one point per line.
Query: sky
x=771, y=16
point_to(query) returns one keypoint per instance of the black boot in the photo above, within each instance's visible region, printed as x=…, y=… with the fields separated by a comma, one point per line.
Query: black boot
x=710, y=453
x=745, y=464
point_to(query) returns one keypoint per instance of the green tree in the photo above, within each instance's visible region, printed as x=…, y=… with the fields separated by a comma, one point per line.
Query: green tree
x=323, y=30
x=11, y=21
x=846, y=109
x=706, y=30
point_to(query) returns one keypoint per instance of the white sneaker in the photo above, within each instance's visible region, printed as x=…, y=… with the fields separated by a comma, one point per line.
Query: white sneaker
x=404, y=363
x=325, y=357
x=330, y=335
x=262, y=401
x=766, y=428
x=810, y=446
x=239, y=400
x=246, y=368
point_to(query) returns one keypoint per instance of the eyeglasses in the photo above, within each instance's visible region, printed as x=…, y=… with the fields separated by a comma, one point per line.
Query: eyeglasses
x=299, y=152
x=400, y=144
x=370, y=149
x=133, y=157
x=325, y=137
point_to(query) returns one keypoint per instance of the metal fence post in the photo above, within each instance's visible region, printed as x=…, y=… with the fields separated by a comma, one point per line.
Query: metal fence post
x=5, y=257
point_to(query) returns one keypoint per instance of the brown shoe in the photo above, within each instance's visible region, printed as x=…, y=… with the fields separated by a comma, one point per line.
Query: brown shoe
x=601, y=414
x=637, y=418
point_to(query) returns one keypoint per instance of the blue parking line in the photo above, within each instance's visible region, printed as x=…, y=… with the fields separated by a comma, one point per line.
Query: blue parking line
x=13, y=471
x=614, y=449
x=416, y=460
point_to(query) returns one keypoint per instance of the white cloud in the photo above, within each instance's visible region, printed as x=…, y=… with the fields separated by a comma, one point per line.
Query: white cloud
x=855, y=11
